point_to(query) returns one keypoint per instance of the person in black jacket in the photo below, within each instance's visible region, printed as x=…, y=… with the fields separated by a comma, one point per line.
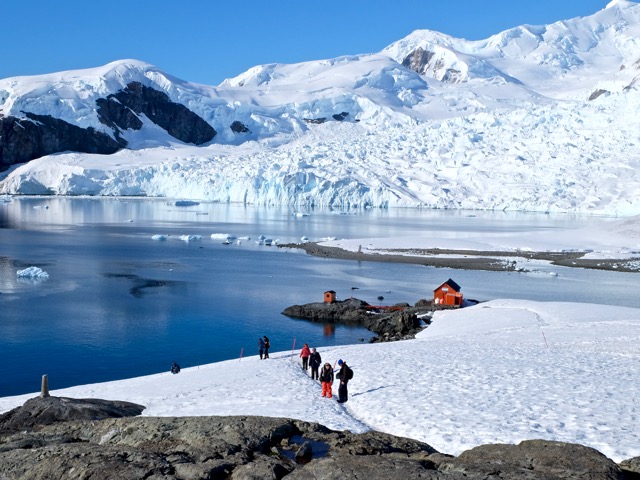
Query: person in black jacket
x=343, y=375
x=314, y=362
x=267, y=344
x=326, y=377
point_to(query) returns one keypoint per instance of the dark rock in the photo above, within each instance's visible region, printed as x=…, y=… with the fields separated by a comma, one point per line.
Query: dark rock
x=597, y=93
x=304, y=453
x=534, y=459
x=418, y=60
x=632, y=466
x=35, y=136
x=239, y=127
x=244, y=448
x=315, y=120
x=40, y=411
x=340, y=116
x=397, y=323
x=179, y=122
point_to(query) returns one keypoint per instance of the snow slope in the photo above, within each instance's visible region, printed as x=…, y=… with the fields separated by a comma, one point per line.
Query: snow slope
x=500, y=372
x=538, y=118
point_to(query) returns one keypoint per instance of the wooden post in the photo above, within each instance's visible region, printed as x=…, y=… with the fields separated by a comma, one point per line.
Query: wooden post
x=44, y=391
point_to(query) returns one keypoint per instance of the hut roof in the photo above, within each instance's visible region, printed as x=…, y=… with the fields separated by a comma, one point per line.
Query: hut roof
x=452, y=284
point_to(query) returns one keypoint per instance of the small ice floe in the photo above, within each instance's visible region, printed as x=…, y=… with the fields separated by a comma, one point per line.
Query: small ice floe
x=160, y=238
x=186, y=203
x=130, y=220
x=305, y=239
x=260, y=240
x=45, y=207
x=268, y=242
x=328, y=239
x=32, y=272
x=244, y=238
x=222, y=236
x=190, y=238
x=301, y=214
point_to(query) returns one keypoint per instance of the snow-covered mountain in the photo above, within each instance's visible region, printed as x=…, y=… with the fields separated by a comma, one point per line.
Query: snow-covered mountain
x=537, y=118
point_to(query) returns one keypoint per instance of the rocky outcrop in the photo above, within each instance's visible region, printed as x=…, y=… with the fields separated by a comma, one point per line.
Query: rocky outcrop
x=389, y=323
x=239, y=127
x=243, y=448
x=418, y=60
x=121, y=109
x=23, y=139
x=42, y=411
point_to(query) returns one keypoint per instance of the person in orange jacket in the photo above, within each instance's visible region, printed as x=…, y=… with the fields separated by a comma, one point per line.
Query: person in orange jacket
x=326, y=378
x=304, y=354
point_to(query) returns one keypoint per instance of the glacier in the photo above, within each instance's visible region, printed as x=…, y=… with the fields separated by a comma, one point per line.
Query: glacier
x=536, y=118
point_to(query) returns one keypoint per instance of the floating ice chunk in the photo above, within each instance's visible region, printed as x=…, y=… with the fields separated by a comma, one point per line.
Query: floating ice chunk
x=190, y=238
x=328, y=239
x=186, y=203
x=301, y=214
x=32, y=272
x=244, y=238
x=160, y=238
x=130, y=220
x=304, y=239
x=46, y=207
x=222, y=236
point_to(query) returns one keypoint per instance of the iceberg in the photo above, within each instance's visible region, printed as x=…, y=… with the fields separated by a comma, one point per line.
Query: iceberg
x=32, y=272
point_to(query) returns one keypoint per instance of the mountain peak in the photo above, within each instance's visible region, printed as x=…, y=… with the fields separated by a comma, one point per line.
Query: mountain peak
x=620, y=3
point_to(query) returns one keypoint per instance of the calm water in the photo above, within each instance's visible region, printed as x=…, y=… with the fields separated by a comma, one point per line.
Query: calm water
x=118, y=304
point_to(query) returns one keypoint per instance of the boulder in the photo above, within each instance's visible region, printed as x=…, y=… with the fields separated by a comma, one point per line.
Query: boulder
x=534, y=460
x=41, y=411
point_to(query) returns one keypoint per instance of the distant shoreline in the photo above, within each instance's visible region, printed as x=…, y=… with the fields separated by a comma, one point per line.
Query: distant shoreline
x=497, y=261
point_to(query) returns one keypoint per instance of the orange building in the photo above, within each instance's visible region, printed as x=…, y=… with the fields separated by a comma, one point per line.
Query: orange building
x=330, y=296
x=447, y=294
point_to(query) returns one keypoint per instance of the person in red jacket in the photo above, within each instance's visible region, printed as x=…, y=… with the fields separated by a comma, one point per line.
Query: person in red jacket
x=304, y=354
x=326, y=378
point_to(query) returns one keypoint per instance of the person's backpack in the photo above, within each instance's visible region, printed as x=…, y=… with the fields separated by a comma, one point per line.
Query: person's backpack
x=349, y=373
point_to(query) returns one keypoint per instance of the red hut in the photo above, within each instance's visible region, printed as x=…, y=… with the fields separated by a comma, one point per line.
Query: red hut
x=448, y=294
x=329, y=296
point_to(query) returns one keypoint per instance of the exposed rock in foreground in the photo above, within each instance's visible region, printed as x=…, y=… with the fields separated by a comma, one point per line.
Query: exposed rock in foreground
x=41, y=411
x=244, y=447
x=398, y=323
x=273, y=448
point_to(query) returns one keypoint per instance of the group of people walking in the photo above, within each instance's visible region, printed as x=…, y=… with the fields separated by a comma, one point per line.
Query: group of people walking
x=311, y=359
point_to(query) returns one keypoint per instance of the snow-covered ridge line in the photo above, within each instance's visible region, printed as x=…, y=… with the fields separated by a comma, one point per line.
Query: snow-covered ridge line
x=536, y=118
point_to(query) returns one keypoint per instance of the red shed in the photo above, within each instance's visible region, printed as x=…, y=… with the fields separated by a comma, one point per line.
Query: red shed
x=448, y=294
x=329, y=296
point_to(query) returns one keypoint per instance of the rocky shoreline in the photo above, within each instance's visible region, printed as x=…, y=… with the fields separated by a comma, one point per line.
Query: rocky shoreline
x=56, y=437
x=468, y=259
x=400, y=323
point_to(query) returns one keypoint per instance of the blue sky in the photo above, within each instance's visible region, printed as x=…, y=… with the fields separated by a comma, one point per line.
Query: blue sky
x=206, y=41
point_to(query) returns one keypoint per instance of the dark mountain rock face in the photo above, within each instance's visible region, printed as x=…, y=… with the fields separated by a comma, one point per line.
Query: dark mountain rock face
x=22, y=140
x=418, y=60
x=120, y=109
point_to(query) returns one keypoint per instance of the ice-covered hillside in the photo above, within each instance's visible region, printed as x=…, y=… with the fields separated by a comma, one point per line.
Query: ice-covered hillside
x=539, y=118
